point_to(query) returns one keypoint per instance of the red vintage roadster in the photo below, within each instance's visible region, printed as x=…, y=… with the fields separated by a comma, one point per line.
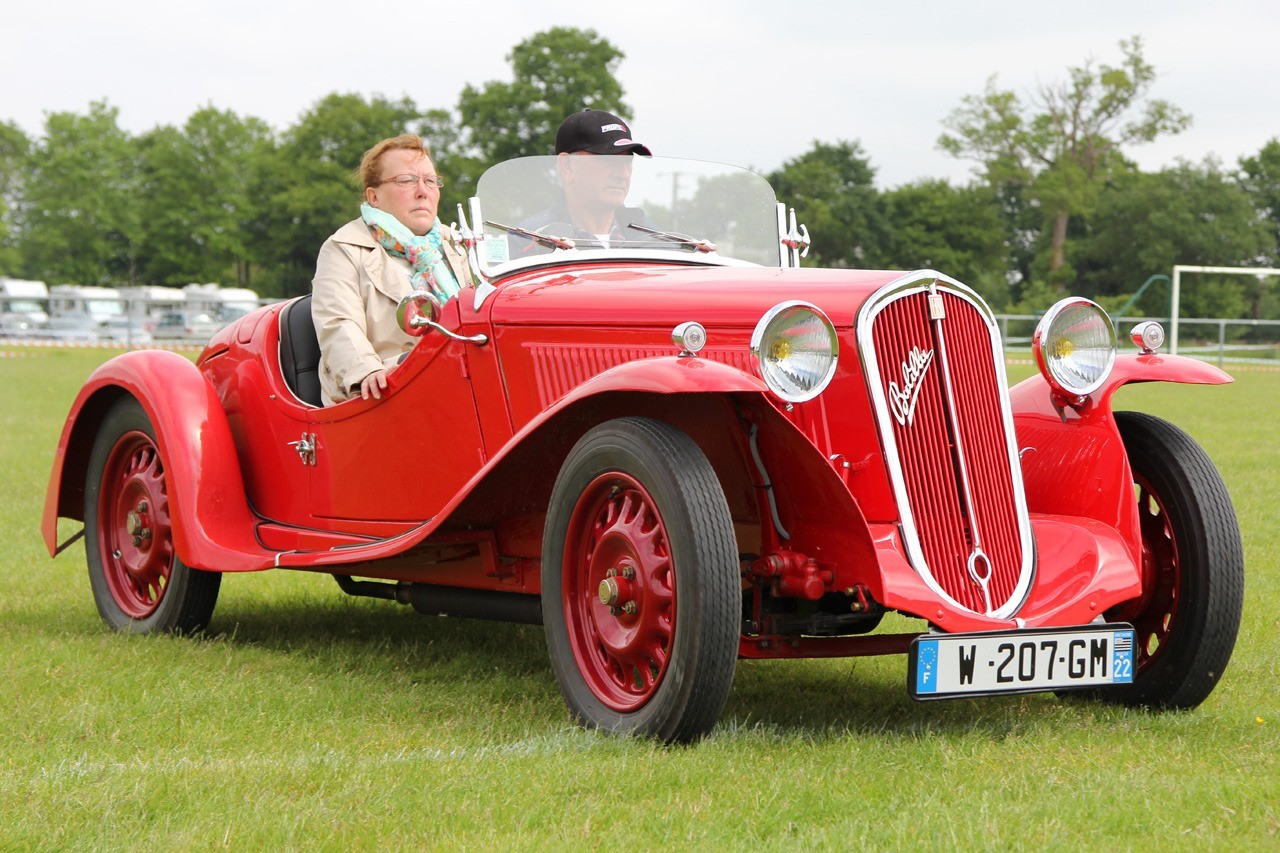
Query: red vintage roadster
x=678, y=450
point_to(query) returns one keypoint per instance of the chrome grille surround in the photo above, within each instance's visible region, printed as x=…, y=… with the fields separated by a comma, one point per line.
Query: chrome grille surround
x=941, y=402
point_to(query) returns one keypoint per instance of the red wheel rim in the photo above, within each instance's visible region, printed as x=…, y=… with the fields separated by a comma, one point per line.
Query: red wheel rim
x=1153, y=614
x=135, y=542
x=619, y=592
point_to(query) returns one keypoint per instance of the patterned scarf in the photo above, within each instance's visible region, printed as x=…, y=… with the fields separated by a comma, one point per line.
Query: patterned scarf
x=430, y=272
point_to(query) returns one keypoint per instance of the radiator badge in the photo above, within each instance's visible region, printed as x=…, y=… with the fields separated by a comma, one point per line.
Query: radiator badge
x=902, y=400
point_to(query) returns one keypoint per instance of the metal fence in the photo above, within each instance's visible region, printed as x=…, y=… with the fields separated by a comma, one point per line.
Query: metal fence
x=1211, y=339
x=1216, y=340
x=135, y=323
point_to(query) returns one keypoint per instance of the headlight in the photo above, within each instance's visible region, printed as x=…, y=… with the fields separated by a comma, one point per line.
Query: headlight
x=1075, y=346
x=796, y=346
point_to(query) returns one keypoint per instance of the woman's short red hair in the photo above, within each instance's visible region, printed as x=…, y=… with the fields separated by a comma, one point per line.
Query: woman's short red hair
x=370, y=171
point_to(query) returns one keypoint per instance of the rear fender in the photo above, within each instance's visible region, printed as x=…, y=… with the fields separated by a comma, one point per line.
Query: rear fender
x=1073, y=459
x=212, y=524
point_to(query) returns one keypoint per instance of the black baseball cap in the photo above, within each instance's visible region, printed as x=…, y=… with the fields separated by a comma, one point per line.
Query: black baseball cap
x=598, y=132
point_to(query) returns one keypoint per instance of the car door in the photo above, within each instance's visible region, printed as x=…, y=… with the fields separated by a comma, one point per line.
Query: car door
x=401, y=458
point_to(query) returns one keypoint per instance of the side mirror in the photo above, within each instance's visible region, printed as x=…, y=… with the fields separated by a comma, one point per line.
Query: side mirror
x=417, y=312
x=420, y=311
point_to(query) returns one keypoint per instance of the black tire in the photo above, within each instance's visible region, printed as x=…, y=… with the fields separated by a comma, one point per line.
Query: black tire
x=138, y=582
x=1188, y=614
x=637, y=504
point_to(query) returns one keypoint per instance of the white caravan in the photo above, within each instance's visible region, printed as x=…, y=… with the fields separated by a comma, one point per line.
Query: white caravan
x=24, y=308
x=84, y=314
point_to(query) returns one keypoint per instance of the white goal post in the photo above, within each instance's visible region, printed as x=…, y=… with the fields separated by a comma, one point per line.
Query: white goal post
x=1176, y=296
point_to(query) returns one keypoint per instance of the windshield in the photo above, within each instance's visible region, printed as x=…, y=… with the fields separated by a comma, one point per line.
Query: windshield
x=23, y=306
x=235, y=310
x=103, y=307
x=542, y=209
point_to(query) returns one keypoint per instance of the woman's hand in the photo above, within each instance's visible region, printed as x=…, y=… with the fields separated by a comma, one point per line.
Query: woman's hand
x=373, y=385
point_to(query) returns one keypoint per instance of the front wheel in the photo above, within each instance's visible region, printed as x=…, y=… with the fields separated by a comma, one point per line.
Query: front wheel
x=1188, y=614
x=138, y=582
x=640, y=588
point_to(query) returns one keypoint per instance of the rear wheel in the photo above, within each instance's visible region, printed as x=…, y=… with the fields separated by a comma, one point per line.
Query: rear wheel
x=1188, y=614
x=640, y=589
x=138, y=582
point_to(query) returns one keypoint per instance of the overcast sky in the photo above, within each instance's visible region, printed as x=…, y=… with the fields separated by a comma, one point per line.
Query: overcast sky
x=752, y=82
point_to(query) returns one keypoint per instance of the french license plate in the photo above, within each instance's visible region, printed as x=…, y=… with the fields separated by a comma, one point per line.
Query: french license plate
x=944, y=666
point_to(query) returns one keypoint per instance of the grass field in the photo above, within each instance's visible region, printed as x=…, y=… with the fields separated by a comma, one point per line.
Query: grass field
x=310, y=720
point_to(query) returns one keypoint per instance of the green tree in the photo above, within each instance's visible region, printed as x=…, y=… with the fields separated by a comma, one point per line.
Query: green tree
x=1261, y=178
x=200, y=188
x=555, y=73
x=1143, y=224
x=830, y=187
x=82, y=206
x=1066, y=144
x=955, y=230
x=15, y=150
x=310, y=179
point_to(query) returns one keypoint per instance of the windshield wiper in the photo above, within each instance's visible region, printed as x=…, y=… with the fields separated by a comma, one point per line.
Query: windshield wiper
x=682, y=239
x=551, y=241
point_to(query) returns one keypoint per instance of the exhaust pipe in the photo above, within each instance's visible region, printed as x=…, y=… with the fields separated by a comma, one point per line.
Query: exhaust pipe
x=459, y=602
x=431, y=600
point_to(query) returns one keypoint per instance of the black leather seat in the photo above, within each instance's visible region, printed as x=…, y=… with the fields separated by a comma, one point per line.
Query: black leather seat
x=300, y=351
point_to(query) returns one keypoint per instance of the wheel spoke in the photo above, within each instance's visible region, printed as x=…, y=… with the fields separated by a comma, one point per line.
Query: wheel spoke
x=1154, y=613
x=134, y=534
x=622, y=541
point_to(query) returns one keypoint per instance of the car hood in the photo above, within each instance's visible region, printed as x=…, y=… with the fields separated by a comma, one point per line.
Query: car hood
x=641, y=294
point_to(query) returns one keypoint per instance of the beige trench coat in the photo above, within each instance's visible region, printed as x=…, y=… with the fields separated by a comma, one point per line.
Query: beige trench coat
x=355, y=293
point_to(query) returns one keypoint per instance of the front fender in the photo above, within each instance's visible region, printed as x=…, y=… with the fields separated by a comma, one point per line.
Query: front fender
x=1073, y=459
x=213, y=526
x=1155, y=367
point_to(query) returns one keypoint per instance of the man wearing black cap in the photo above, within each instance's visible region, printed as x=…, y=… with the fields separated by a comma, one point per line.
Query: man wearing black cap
x=593, y=157
x=597, y=132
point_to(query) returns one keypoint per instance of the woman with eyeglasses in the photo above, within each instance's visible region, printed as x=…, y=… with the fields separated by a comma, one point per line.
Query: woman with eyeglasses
x=397, y=245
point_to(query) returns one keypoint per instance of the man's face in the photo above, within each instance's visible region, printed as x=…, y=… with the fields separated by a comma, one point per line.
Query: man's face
x=596, y=181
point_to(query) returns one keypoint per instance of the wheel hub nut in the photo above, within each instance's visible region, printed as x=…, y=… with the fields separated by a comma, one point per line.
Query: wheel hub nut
x=609, y=592
x=616, y=593
x=135, y=524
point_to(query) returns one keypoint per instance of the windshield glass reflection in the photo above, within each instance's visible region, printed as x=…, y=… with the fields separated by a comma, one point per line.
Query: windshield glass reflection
x=575, y=206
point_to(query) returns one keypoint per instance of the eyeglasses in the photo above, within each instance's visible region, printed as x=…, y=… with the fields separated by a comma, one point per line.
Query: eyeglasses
x=406, y=181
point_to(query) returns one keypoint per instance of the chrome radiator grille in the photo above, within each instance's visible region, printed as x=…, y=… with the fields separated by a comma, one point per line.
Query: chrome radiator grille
x=935, y=369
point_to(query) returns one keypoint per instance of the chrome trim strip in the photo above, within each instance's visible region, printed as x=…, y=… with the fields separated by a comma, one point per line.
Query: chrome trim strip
x=976, y=555
x=473, y=242
x=906, y=285
x=784, y=253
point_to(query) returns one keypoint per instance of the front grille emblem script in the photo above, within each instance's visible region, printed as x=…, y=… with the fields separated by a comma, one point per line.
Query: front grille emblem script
x=902, y=400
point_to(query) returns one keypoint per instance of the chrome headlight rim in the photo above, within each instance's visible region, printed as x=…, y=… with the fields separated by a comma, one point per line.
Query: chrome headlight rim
x=1049, y=333
x=766, y=330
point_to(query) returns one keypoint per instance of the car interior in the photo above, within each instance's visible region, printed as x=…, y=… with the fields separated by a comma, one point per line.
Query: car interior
x=300, y=351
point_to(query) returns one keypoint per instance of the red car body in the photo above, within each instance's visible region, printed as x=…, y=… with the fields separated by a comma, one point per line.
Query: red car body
x=838, y=515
